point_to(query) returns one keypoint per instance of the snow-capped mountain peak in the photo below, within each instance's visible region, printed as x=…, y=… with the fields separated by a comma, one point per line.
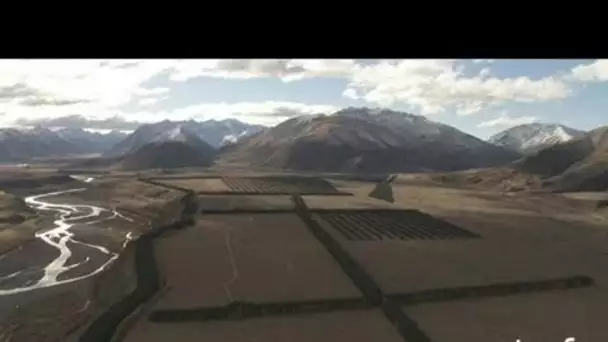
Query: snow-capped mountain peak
x=532, y=137
x=177, y=133
x=561, y=134
x=213, y=132
x=233, y=138
x=367, y=140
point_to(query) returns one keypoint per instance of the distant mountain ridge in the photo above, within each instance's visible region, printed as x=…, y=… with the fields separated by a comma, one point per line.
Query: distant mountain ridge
x=172, y=146
x=530, y=138
x=92, y=142
x=366, y=140
x=352, y=140
x=37, y=142
x=580, y=164
x=215, y=133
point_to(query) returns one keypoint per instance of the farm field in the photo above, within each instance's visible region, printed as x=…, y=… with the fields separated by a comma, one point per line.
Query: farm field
x=271, y=258
x=251, y=184
x=197, y=184
x=519, y=239
x=355, y=326
x=551, y=316
x=248, y=257
x=231, y=203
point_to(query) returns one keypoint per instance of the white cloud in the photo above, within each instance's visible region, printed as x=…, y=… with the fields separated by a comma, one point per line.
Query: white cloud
x=286, y=69
x=149, y=101
x=596, y=71
x=108, y=83
x=152, y=91
x=483, y=61
x=54, y=88
x=432, y=86
x=106, y=131
x=101, y=89
x=350, y=93
x=263, y=113
x=505, y=121
x=484, y=72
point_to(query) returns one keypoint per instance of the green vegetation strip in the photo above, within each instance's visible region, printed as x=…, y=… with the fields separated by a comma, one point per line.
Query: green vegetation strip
x=406, y=327
x=243, y=310
x=492, y=290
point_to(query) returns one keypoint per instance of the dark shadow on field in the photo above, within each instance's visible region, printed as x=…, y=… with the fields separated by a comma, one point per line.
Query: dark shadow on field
x=602, y=204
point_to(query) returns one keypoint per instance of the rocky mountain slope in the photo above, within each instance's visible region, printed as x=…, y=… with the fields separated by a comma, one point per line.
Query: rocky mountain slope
x=215, y=133
x=166, y=155
x=174, y=148
x=218, y=133
x=534, y=137
x=580, y=164
x=366, y=140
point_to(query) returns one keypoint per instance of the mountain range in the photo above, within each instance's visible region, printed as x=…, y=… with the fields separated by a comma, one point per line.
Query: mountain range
x=25, y=144
x=365, y=140
x=215, y=133
x=352, y=140
x=37, y=142
x=174, y=148
x=530, y=138
x=580, y=164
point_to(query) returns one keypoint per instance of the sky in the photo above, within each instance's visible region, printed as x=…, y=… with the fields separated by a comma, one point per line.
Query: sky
x=481, y=97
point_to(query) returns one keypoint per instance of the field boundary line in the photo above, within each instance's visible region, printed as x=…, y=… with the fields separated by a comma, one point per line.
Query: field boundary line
x=407, y=328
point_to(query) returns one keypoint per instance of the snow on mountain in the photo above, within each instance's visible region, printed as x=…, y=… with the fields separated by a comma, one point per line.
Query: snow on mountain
x=177, y=133
x=90, y=141
x=533, y=137
x=34, y=142
x=232, y=138
x=213, y=132
x=24, y=144
x=220, y=132
x=366, y=140
x=416, y=129
x=229, y=139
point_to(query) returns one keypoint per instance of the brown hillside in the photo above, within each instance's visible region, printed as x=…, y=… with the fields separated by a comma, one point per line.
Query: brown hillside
x=578, y=165
x=350, y=144
x=166, y=155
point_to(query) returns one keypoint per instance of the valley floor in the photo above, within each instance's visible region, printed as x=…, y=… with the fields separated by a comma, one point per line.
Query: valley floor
x=285, y=260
